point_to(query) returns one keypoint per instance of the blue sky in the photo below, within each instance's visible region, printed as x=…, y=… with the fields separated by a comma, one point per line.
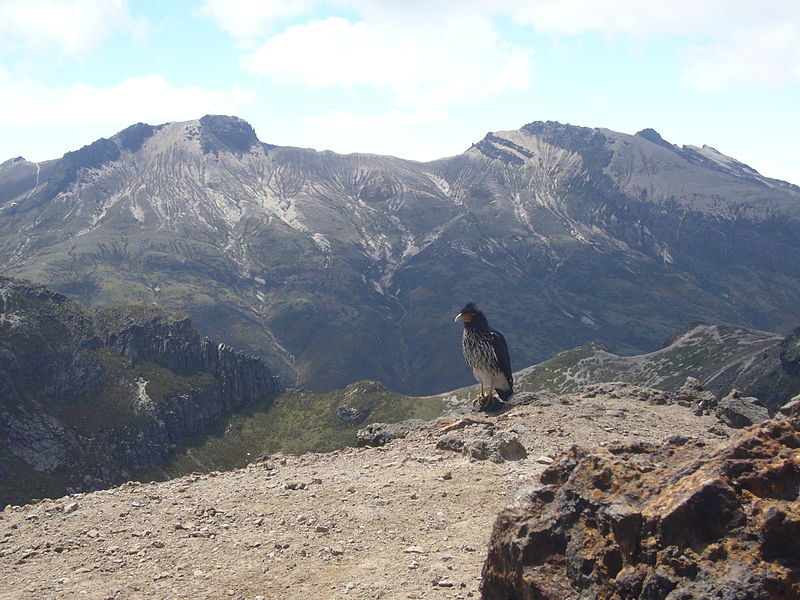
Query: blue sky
x=417, y=79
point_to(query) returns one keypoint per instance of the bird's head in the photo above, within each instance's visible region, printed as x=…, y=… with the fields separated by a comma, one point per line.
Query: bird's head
x=472, y=315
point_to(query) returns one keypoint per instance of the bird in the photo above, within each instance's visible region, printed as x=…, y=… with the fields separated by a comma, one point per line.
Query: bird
x=486, y=353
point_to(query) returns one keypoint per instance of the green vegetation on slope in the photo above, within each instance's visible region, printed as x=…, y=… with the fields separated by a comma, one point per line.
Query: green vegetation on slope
x=295, y=422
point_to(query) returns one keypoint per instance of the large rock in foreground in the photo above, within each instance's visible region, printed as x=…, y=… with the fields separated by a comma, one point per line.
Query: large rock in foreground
x=678, y=521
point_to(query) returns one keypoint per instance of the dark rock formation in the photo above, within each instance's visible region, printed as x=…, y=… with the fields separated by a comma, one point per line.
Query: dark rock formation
x=90, y=400
x=736, y=410
x=678, y=521
x=220, y=132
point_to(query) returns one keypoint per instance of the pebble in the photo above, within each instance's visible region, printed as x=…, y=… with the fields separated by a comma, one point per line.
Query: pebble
x=545, y=460
x=71, y=507
x=414, y=550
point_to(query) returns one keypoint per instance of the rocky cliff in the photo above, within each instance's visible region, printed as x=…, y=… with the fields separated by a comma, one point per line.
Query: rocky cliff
x=88, y=400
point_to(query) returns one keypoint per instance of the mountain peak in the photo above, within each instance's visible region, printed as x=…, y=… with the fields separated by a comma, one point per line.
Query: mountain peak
x=13, y=161
x=223, y=132
x=651, y=135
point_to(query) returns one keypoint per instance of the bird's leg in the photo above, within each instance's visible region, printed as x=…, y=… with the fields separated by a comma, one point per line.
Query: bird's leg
x=491, y=391
x=481, y=396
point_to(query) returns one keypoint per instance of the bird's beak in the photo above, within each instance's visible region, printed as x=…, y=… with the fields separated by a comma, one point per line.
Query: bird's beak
x=465, y=317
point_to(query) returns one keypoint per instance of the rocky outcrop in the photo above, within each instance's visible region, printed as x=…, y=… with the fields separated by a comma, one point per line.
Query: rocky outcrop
x=380, y=434
x=89, y=400
x=677, y=521
x=736, y=410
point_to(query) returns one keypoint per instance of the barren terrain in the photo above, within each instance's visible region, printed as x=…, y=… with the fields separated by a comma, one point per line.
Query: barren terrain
x=404, y=521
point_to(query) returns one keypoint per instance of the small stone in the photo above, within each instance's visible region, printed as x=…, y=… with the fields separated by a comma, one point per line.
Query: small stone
x=545, y=460
x=64, y=580
x=71, y=507
x=445, y=583
x=414, y=550
x=337, y=551
x=321, y=529
x=447, y=476
x=92, y=533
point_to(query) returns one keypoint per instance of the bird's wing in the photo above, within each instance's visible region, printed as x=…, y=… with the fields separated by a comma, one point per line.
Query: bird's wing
x=501, y=351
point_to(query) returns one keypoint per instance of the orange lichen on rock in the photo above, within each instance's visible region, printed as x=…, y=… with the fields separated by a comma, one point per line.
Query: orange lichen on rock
x=679, y=521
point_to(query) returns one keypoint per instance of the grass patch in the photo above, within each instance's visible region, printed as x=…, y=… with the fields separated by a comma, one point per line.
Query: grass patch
x=293, y=423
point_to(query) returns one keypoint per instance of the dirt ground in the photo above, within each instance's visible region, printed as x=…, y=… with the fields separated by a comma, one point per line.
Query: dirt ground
x=404, y=521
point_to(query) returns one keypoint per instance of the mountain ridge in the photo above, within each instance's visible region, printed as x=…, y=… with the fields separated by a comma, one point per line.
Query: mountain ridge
x=287, y=252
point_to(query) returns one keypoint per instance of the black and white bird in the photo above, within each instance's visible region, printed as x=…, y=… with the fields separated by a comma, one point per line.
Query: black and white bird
x=486, y=353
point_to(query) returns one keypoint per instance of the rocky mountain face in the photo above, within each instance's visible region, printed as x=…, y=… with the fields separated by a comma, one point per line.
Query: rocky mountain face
x=721, y=358
x=340, y=268
x=89, y=400
x=679, y=520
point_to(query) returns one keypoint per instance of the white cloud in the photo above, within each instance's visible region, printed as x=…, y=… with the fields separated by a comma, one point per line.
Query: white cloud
x=434, y=54
x=394, y=118
x=150, y=98
x=729, y=43
x=768, y=57
x=65, y=27
x=426, y=63
x=248, y=19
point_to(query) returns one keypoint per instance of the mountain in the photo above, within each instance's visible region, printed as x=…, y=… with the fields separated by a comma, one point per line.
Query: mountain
x=88, y=400
x=342, y=268
x=721, y=358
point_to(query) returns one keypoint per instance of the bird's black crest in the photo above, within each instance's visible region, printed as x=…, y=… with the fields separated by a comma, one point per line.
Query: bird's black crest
x=470, y=308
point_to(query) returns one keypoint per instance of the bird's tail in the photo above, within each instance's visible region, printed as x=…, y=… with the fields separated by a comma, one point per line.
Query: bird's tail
x=505, y=394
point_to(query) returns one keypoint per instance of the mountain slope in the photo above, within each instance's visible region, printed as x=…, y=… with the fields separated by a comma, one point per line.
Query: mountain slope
x=756, y=363
x=90, y=400
x=340, y=268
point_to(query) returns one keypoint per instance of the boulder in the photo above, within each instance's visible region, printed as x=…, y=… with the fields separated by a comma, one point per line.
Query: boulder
x=691, y=393
x=380, y=434
x=738, y=411
x=681, y=520
x=791, y=408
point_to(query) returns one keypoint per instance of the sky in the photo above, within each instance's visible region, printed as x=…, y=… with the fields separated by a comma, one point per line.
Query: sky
x=415, y=79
